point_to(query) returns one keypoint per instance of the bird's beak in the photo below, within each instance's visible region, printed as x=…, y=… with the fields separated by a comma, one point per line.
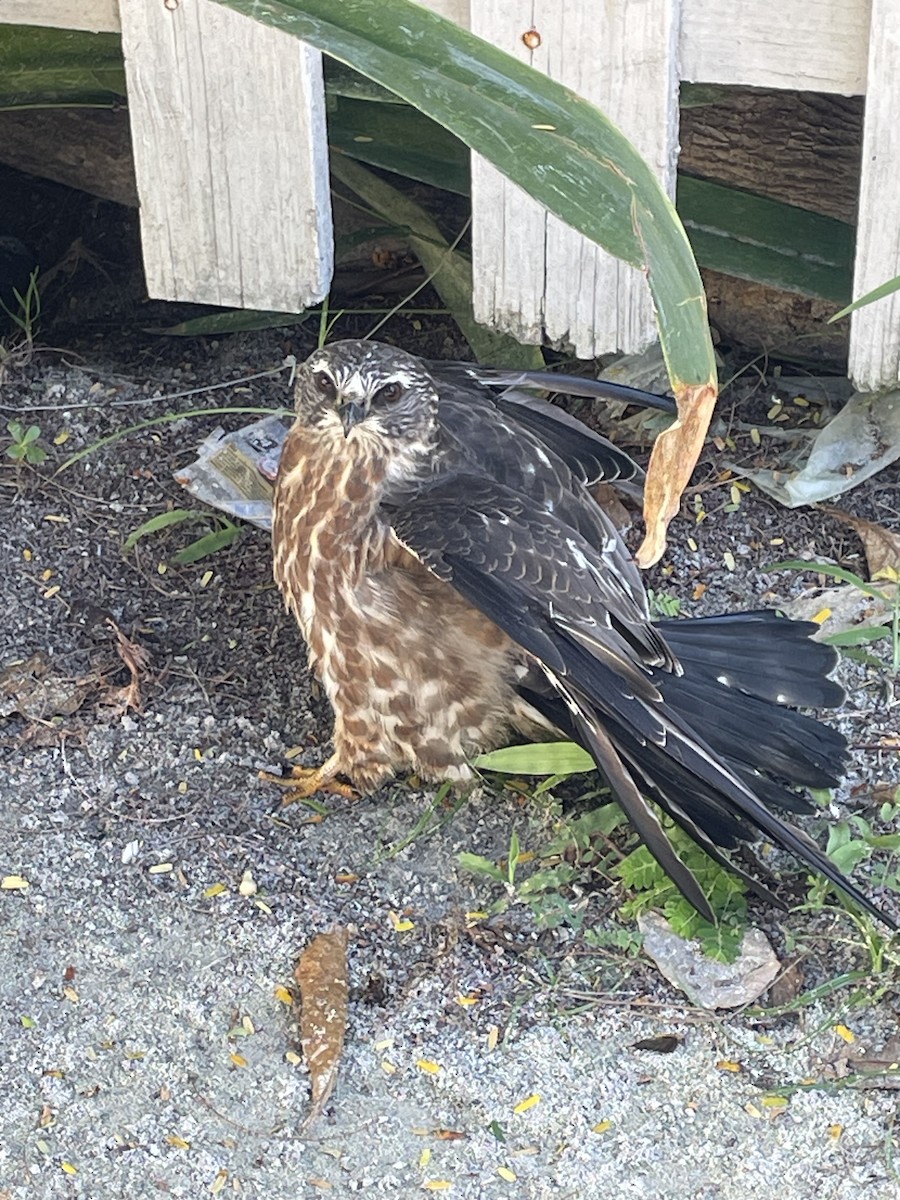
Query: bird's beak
x=351, y=414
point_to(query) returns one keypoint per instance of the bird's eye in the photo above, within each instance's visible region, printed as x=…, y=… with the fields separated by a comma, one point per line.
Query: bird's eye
x=325, y=384
x=389, y=394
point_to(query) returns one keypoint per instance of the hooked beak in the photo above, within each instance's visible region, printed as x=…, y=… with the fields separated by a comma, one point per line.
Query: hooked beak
x=351, y=414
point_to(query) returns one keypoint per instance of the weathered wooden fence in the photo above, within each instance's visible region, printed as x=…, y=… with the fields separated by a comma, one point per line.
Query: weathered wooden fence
x=228, y=127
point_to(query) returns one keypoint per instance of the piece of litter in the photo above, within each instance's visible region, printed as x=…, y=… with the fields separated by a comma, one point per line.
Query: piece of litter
x=527, y=1103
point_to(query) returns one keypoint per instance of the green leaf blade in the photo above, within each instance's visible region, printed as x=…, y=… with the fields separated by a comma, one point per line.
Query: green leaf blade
x=545, y=138
x=539, y=758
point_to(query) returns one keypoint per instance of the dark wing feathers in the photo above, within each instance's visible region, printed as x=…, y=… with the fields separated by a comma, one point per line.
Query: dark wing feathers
x=692, y=714
x=552, y=381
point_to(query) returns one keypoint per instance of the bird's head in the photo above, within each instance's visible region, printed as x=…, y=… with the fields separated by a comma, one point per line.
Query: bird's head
x=372, y=391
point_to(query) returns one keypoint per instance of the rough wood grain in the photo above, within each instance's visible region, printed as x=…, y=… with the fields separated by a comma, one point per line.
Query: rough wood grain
x=534, y=276
x=75, y=146
x=801, y=148
x=875, y=329
x=95, y=16
x=804, y=45
x=228, y=128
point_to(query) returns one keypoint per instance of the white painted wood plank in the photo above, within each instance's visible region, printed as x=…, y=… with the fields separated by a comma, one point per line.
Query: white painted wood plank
x=805, y=45
x=875, y=330
x=95, y=16
x=228, y=125
x=454, y=10
x=534, y=276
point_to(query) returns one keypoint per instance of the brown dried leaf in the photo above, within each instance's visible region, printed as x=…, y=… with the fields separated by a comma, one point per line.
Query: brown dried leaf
x=137, y=659
x=36, y=691
x=674, y=457
x=321, y=975
x=665, y=1043
x=787, y=986
x=884, y=1063
x=882, y=546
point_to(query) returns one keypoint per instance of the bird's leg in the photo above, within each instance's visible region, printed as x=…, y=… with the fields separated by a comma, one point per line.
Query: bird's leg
x=302, y=782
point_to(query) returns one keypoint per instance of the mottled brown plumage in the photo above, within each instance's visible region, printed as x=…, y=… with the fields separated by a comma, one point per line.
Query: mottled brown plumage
x=456, y=583
x=419, y=680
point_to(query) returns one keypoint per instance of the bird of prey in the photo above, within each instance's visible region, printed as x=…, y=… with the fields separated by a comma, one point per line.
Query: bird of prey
x=457, y=586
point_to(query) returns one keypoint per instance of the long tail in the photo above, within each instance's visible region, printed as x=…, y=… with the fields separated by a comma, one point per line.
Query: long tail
x=735, y=751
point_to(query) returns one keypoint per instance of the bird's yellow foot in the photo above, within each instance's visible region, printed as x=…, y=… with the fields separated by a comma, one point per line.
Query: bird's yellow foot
x=303, y=782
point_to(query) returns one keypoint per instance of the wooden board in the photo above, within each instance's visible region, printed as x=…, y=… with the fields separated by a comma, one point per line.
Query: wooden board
x=230, y=152
x=535, y=277
x=94, y=16
x=875, y=330
x=805, y=45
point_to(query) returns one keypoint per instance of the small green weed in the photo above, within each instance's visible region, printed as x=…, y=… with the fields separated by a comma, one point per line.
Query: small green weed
x=27, y=316
x=223, y=534
x=24, y=446
x=652, y=888
x=850, y=843
x=581, y=850
x=663, y=604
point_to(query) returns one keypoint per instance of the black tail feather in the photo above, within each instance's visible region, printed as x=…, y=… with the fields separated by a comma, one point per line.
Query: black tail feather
x=733, y=750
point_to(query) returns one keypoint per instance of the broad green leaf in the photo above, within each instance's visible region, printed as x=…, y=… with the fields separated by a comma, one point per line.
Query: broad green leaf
x=540, y=758
x=554, y=144
x=46, y=67
x=230, y=320
x=764, y=240
x=160, y=521
x=399, y=138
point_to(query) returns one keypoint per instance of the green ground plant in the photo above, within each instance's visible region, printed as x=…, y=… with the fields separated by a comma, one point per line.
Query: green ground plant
x=24, y=444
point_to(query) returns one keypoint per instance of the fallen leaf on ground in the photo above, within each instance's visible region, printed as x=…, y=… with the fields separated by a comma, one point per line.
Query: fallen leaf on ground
x=787, y=986
x=321, y=975
x=882, y=546
x=137, y=659
x=665, y=1043
x=34, y=690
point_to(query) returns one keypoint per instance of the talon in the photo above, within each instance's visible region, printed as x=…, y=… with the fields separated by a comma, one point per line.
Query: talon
x=303, y=782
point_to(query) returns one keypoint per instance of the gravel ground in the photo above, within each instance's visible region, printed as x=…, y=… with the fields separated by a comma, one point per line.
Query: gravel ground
x=125, y=989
